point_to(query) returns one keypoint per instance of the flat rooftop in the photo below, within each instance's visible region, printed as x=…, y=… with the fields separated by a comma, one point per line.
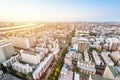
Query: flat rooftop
x=114, y=71
x=96, y=77
x=68, y=76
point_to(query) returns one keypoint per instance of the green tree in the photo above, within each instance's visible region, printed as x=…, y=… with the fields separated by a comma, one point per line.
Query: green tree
x=76, y=69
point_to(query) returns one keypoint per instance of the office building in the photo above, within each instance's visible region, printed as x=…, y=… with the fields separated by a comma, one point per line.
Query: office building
x=113, y=43
x=82, y=45
x=6, y=49
x=113, y=46
x=23, y=42
x=31, y=57
x=116, y=58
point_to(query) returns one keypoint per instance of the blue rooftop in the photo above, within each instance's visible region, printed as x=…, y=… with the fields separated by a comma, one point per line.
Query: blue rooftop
x=72, y=49
x=118, y=69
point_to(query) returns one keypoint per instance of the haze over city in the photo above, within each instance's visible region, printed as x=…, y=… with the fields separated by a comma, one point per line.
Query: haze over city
x=60, y=10
x=59, y=39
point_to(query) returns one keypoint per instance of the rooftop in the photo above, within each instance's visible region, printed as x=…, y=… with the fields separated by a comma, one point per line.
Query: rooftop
x=114, y=71
x=76, y=76
x=87, y=68
x=66, y=74
x=118, y=69
x=96, y=77
x=25, y=66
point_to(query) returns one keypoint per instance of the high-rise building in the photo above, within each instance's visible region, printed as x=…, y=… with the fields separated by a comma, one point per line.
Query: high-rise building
x=82, y=45
x=113, y=46
x=116, y=58
x=74, y=40
x=23, y=42
x=113, y=43
x=6, y=49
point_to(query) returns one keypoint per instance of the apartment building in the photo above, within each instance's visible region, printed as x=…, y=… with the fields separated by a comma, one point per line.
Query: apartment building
x=24, y=68
x=42, y=67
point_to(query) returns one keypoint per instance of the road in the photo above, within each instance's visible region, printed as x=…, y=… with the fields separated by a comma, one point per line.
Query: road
x=48, y=71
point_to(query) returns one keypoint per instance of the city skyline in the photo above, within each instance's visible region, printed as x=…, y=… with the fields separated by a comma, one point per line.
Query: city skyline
x=59, y=10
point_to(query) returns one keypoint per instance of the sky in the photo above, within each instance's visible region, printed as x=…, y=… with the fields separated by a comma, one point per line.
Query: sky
x=60, y=10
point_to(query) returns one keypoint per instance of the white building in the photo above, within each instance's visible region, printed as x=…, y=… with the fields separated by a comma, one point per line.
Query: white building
x=75, y=46
x=87, y=68
x=23, y=42
x=68, y=60
x=31, y=57
x=76, y=76
x=65, y=74
x=43, y=67
x=96, y=58
x=106, y=59
x=10, y=61
x=113, y=43
x=77, y=56
x=86, y=57
x=39, y=49
x=56, y=53
x=56, y=44
x=74, y=40
x=6, y=49
x=24, y=68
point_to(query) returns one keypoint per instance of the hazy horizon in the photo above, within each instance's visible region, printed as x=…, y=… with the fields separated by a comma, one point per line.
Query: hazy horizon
x=60, y=10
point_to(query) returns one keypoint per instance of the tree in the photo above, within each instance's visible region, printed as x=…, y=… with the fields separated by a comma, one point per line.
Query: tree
x=76, y=69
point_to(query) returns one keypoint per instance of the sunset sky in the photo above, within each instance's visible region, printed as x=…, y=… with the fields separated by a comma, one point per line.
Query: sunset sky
x=59, y=10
